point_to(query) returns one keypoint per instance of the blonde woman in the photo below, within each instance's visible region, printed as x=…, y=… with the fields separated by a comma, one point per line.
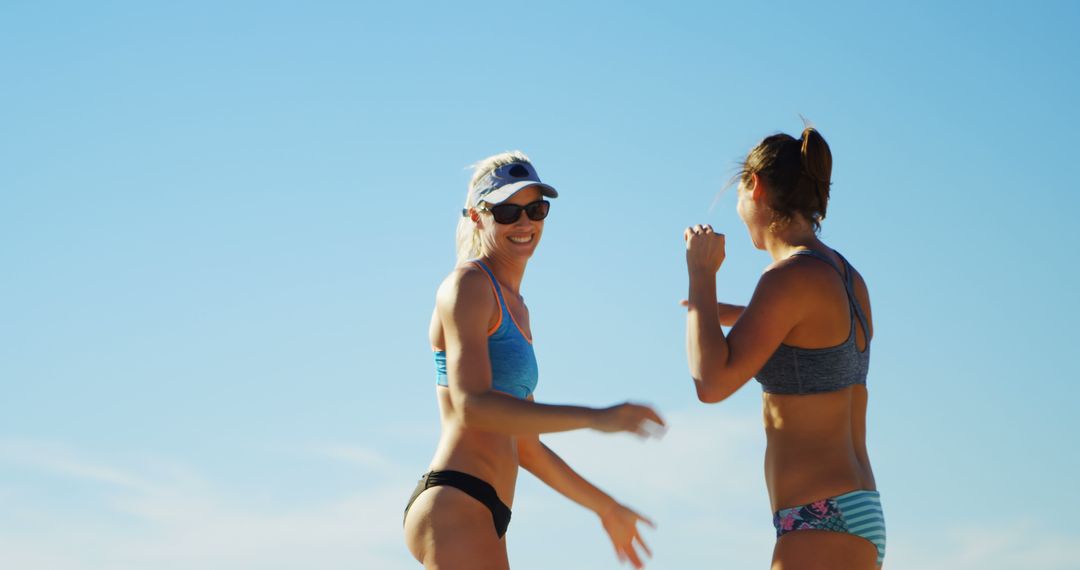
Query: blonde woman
x=486, y=375
x=805, y=336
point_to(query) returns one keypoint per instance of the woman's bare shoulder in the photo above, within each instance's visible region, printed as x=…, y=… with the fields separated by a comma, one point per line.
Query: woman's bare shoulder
x=466, y=286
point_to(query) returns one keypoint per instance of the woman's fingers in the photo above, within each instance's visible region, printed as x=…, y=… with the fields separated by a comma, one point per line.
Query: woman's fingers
x=653, y=416
x=638, y=419
x=704, y=248
x=698, y=229
x=621, y=526
x=644, y=546
x=649, y=429
x=649, y=423
x=621, y=551
x=633, y=556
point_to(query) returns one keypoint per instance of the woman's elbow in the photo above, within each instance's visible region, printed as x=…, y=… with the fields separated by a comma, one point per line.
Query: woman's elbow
x=706, y=396
x=528, y=453
x=711, y=390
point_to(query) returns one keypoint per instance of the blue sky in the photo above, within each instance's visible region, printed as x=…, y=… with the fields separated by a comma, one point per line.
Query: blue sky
x=222, y=226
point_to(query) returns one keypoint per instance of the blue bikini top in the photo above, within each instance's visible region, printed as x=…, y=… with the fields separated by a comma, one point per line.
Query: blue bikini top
x=794, y=370
x=513, y=363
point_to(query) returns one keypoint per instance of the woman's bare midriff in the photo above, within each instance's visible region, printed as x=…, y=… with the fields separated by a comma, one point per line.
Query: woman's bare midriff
x=816, y=446
x=490, y=456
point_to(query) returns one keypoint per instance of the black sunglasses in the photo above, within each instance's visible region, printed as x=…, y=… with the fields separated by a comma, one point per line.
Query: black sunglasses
x=509, y=213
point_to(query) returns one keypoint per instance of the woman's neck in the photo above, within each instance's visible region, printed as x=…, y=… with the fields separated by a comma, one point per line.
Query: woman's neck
x=795, y=235
x=508, y=271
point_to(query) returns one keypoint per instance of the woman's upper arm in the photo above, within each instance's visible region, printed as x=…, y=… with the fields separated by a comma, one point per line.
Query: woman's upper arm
x=773, y=311
x=464, y=304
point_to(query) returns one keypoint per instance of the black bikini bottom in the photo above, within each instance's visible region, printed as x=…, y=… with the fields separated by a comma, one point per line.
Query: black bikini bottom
x=474, y=487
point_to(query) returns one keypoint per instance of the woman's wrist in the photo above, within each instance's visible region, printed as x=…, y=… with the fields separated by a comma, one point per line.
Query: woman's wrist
x=703, y=278
x=605, y=506
x=698, y=270
x=594, y=418
x=702, y=291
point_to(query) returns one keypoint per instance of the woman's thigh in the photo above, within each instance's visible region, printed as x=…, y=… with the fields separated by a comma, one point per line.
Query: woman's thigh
x=823, y=550
x=446, y=529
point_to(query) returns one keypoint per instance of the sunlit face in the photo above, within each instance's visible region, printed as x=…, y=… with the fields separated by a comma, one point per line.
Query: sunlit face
x=518, y=239
x=754, y=212
x=741, y=206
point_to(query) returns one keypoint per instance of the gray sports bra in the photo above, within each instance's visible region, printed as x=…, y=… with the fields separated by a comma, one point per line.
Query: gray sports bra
x=794, y=370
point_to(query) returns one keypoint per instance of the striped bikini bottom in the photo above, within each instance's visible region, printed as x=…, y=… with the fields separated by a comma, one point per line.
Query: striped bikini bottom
x=858, y=513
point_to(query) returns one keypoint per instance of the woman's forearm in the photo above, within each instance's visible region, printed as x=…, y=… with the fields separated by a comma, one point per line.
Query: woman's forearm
x=490, y=411
x=706, y=346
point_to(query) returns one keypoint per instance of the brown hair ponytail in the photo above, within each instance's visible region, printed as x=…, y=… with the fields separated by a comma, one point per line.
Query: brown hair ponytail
x=816, y=173
x=798, y=172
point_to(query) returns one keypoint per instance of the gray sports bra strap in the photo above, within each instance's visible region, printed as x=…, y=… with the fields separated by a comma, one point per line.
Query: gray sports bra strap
x=824, y=258
x=849, y=284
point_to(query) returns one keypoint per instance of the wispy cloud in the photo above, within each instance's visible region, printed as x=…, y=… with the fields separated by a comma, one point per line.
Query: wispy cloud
x=702, y=485
x=139, y=522
x=1016, y=541
x=61, y=460
x=364, y=457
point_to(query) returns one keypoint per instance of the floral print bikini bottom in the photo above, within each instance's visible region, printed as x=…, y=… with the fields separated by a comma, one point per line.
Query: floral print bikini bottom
x=858, y=513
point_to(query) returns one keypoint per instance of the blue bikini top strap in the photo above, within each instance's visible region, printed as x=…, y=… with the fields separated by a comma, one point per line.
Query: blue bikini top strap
x=494, y=282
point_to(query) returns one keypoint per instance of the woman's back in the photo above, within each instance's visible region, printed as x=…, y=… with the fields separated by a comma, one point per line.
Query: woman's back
x=805, y=336
x=816, y=430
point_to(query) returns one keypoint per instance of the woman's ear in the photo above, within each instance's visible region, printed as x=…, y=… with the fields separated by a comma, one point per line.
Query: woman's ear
x=757, y=187
x=475, y=217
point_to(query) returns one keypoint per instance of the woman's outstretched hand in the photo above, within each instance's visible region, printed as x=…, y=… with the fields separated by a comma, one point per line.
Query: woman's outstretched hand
x=637, y=419
x=704, y=249
x=620, y=522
